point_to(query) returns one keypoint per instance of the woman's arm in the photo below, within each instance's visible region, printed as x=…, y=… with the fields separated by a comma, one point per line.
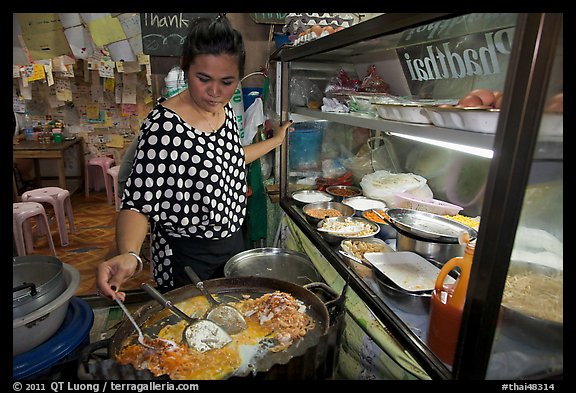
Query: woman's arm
x=256, y=150
x=131, y=230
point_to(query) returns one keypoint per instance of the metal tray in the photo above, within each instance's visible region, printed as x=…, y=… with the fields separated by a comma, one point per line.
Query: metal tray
x=427, y=225
x=406, y=270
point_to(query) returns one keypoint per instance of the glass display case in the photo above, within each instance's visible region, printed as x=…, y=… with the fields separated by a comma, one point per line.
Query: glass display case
x=503, y=167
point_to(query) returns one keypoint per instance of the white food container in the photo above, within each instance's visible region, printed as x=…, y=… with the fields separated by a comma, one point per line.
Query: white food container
x=469, y=119
x=403, y=112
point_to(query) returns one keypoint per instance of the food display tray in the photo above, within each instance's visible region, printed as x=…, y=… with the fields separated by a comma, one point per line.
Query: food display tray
x=409, y=113
x=407, y=270
x=469, y=119
x=428, y=225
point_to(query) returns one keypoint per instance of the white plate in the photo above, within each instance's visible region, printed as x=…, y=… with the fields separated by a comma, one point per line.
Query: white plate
x=406, y=269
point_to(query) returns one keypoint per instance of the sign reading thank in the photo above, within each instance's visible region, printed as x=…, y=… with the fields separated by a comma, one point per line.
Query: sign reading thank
x=163, y=33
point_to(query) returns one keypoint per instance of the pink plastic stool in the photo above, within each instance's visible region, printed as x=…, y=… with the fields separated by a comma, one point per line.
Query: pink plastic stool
x=59, y=198
x=104, y=163
x=113, y=171
x=22, y=213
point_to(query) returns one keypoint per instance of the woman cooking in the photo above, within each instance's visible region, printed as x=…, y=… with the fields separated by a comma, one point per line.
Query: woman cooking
x=188, y=178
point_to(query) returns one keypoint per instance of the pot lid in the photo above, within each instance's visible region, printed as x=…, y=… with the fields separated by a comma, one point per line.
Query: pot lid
x=428, y=225
x=36, y=278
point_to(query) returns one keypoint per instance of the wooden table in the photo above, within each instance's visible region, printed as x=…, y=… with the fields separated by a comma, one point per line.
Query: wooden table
x=36, y=151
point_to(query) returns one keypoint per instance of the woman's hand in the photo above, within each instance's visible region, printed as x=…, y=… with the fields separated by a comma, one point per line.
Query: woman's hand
x=279, y=132
x=111, y=274
x=257, y=150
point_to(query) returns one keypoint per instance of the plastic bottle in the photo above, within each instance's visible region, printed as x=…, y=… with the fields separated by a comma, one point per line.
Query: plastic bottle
x=27, y=128
x=447, y=305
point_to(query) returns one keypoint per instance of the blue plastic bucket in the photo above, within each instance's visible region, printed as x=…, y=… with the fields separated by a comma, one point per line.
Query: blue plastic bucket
x=305, y=146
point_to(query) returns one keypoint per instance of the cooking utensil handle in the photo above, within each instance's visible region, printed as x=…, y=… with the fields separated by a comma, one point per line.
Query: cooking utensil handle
x=192, y=275
x=200, y=285
x=129, y=315
x=165, y=302
x=32, y=286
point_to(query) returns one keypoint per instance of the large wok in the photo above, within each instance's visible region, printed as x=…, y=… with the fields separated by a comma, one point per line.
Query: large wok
x=154, y=317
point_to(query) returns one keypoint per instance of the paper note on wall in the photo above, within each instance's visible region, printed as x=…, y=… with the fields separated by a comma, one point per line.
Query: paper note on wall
x=129, y=89
x=37, y=73
x=63, y=89
x=121, y=51
x=69, y=19
x=116, y=141
x=80, y=42
x=93, y=111
x=46, y=45
x=106, y=30
x=130, y=23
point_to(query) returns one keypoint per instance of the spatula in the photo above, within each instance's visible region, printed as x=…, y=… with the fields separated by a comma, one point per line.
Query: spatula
x=224, y=315
x=200, y=334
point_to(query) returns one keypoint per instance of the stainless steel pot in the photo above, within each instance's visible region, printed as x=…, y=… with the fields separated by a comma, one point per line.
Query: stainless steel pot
x=279, y=263
x=36, y=281
x=438, y=253
x=33, y=329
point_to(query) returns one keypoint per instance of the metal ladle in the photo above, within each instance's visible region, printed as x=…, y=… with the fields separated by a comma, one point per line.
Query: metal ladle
x=200, y=334
x=224, y=315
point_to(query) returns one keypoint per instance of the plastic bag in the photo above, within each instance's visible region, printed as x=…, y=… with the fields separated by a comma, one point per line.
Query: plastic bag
x=253, y=118
x=342, y=83
x=370, y=158
x=373, y=83
x=383, y=185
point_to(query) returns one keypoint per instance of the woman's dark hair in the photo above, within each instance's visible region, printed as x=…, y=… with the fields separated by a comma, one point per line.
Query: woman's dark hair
x=212, y=37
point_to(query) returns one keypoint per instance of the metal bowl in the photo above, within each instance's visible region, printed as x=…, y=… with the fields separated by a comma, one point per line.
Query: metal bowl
x=279, y=263
x=436, y=252
x=530, y=328
x=345, y=210
x=342, y=192
x=303, y=197
x=336, y=238
x=357, y=258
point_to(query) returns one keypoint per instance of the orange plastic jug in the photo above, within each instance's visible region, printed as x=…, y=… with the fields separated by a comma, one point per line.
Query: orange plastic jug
x=446, y=306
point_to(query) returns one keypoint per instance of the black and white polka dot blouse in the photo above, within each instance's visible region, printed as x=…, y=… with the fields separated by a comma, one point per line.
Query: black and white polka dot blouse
x=189, y=183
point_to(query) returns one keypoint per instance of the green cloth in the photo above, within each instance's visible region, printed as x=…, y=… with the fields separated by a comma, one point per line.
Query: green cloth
x=257, y=215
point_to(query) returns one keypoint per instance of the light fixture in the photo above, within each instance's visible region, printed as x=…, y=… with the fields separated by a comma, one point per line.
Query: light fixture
x=477, y=151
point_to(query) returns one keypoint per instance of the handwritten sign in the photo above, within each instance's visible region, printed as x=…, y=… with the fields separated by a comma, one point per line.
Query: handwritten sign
x=164, y=33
